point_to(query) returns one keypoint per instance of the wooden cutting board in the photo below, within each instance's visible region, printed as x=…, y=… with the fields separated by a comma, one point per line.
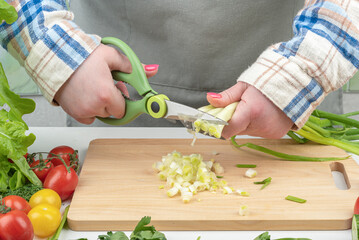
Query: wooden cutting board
x=118, y=186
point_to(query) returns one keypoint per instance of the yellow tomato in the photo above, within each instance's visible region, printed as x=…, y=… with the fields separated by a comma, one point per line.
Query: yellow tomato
x=47, y=196
x=45, y=219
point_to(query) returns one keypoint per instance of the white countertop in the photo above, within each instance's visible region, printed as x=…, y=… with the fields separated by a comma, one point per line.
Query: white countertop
x=79, y=138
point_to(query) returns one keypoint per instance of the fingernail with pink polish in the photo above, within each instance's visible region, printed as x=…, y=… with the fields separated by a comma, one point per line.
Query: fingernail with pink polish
x=151, y=67
x=214, y=95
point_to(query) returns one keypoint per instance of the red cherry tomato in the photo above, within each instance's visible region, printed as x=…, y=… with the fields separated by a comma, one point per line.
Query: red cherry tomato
x=42, y=169
x=356, y=206
x=62, y=181
x=16, y=203
x=15, y=225
x=68, y=154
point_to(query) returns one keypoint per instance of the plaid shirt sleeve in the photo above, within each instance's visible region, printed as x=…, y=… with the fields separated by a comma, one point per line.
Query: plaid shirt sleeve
x=321, y=57
x=47, y=42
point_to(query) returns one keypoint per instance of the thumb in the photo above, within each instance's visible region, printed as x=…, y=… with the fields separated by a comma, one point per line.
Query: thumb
x=150, y=70
x=228, y=96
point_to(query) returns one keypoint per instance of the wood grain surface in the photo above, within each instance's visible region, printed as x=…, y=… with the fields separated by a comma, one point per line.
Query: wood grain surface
x=118, y=186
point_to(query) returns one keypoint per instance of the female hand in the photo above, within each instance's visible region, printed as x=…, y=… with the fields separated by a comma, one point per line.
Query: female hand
x=91, y=92
x=255, y=115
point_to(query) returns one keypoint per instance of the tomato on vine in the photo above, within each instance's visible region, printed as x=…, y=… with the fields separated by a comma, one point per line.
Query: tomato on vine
x=15, y=202
x=41, y=168
x=68, y=154
x=63, y=180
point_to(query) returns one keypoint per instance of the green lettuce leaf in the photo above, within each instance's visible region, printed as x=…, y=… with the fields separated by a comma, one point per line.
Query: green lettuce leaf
x=13, y=139
x=7, y=12
x=18, y=106
x=5, y=167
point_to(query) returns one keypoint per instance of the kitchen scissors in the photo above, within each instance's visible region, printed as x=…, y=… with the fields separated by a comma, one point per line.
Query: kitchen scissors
x=154, y=104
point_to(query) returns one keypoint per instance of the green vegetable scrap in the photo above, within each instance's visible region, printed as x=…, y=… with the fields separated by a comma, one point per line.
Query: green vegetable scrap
x=266, y=236
x=246, y=165
x=7, y=12
x=265, y=182
x=13, y=139
x=295, y=199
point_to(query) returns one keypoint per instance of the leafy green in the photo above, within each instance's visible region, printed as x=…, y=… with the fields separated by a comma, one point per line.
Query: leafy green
x=13, y=139
x=263, y=236
x=113, y=236
x=7, y=12
x=141, y=232
x=266, y=236
x=146, y=232
x=25, y=191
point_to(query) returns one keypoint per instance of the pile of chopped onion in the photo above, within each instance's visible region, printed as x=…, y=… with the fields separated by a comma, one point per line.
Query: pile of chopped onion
x=188, y=175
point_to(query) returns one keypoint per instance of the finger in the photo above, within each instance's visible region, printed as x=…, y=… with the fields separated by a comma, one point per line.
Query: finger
x=230, y=95
x=85, y=120
x=151, y=70
x=123, y=88
x=239, y=121
x=116, y=60
x=116, y=104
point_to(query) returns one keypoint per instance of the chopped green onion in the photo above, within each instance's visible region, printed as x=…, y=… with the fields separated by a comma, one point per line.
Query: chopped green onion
x=265, y=182
x=246, y=165
x=242, y=193
x=295, y=199
x=188, y=175
x=251, y=173
x=269, y=179
x=243, y=210
x=218, y=169
x=265, y=185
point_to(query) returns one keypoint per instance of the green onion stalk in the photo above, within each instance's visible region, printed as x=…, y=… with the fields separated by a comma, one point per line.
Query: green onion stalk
x=284, y=156
x=330, y=129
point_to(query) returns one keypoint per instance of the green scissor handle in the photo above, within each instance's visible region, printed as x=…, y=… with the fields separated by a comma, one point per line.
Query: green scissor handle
x=152, y=103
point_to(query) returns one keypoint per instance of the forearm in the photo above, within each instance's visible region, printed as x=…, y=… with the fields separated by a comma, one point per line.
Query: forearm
x=321, y=57
x=47, y=42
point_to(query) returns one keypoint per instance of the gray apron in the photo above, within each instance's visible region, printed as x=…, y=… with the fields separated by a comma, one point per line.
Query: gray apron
x=200, y=45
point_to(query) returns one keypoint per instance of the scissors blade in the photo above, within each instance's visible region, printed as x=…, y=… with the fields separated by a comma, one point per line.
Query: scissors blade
x=182, y=112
